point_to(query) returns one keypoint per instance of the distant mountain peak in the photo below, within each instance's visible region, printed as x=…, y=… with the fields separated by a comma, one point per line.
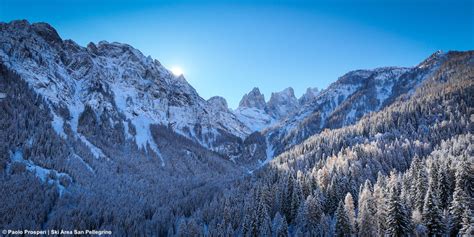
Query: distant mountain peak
x=288, y=92
x=432, y=59
x=282, y=103
x=253, y=99
x=309, y=95
x=218, y=103
x=46, y=31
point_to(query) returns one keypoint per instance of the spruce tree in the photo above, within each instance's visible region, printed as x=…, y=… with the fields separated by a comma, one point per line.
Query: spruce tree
x=280, y=226
x=343, y=226
x=366, y=213
x=296, y=198
x=432, y=216
x=398, y=223
x=467, y=225
x=350, y=210
x=265, y=226
x=380, y=203
x=461, y=196
x=313, y=211
x=443, y=188
x=419, y=188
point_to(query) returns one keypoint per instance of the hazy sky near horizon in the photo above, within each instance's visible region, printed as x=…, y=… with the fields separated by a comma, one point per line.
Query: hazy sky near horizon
x=226, y=48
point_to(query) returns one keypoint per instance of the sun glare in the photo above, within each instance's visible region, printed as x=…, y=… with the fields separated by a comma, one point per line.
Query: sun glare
x=177, y=71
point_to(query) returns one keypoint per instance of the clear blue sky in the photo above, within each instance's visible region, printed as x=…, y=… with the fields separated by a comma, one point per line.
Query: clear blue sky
x=228, y=47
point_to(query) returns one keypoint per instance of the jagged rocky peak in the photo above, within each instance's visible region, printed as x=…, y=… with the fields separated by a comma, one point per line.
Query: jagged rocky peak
x=282, y=103
x=309, y=95
x=46, y=31
x=218, y=103
x=432, y=59
x=254, y=99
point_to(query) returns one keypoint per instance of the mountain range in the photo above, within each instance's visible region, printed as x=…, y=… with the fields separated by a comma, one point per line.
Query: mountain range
x=103, y=137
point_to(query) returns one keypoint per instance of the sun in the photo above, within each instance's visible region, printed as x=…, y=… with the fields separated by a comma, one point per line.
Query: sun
x=177, y=71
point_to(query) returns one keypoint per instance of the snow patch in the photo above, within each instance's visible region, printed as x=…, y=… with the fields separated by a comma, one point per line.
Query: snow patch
x=84, y=163
x=39, y=172
x=97, y=152
x=270, y=151
x=253, y=118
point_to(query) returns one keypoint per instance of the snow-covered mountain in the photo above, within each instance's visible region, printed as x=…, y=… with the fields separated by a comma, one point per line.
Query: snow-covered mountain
x=252, y=111
x=282, y=103
x=102, y=137
x=348, y=99
x=309, y=95
x=117, y=81
x=257, y=114
x=253, y=99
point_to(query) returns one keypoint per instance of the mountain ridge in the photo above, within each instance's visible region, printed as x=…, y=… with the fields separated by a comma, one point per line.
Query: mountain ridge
x=102, y=137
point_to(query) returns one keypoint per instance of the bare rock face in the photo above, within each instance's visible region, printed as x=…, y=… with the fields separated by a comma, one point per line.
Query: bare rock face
x=48, y=33
x=218, y=103
x=309, y=95
x=282, y=103
x=254, y=99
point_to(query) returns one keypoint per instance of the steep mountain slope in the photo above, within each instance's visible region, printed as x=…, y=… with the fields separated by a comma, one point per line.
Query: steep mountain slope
x=103, y=131
x=348, y=99
x=114, y=82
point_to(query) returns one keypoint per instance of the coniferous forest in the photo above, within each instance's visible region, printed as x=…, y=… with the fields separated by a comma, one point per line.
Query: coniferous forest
x=104, y=138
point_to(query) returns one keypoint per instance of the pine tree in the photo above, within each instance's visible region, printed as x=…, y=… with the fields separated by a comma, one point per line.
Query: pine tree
x=193, y=228
x=229, y=231
x=301, y=218
x=419, y=181
x=227, y=215
x=443, y=188
x=461, y=198
x=249, y=224
x=350, y=210
x=296, y=198
x=398, y=223
x=419, y=188
x=279, y=226
x=343, y=226
x=366, y=212
x=262, y=221
x=265, y=226
x=432, y=215
x=446, y=222
x=287, y=194
x=467, y=228
x=380, y=203
x=313, y=210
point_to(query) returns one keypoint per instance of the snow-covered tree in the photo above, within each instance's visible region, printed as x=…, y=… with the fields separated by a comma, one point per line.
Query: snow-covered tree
x=462, y=198
x=432, y=215
x=398, y=223
x=343, y=225
x=366, y=215
x=350, y=210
